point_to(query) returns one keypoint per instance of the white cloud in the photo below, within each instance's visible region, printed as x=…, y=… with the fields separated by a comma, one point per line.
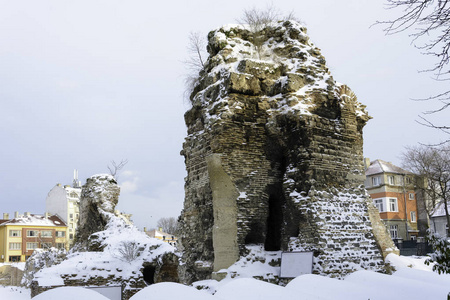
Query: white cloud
x=129, y=186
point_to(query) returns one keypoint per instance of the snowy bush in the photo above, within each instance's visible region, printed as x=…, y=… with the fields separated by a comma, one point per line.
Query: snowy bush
x=441, y=254
x=127, y=251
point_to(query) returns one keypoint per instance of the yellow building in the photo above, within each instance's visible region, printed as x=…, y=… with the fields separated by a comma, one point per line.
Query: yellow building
x=20, y=236
x=163, y=236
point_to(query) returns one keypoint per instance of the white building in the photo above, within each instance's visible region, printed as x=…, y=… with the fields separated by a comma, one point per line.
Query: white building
x=439, y=220
x=64, y=201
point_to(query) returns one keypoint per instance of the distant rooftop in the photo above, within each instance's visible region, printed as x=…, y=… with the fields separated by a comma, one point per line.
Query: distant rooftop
x=34, y=220
x=440, y=210
x=379, y=166
x=154, y=233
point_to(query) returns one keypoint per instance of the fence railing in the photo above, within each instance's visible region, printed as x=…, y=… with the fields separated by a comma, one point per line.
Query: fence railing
x=409, y=248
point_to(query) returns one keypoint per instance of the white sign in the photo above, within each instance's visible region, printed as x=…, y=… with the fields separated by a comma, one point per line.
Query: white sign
x=294, y=264
x=111, y=292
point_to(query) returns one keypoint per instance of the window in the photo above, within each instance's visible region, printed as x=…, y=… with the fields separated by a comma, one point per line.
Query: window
x=411, y=196
x=14, y=258
x=393, y=229
x=391, y=180
x=376, y=181
x=32, y=246
x=71, y=236
x=46, y=233
x=393, y=205
x=15, y=246
x=71, y=217
x=408, y=180
x=32, y=233
x=15, y=233
x=60, y=234
x=46, y=245
x=60, y=245
x=379, y=204
x=413, y=216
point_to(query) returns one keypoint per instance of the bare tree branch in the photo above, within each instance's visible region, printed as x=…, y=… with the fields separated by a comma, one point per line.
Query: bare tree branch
x=168, y=225
x=196, y=46
x=115, y=168
x=195, y=62
x=257, y=20
x=432, y=165
x=429, y=22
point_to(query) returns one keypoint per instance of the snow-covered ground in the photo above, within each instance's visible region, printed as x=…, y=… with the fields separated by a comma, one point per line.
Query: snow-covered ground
x=412, y=280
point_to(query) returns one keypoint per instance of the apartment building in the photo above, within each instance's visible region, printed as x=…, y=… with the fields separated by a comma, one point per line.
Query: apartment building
x=393, y=192
x=23, y=234
x=64, y=201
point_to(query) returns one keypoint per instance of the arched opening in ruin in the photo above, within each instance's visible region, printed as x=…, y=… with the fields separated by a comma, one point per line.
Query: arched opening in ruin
x=274, y=223
x=149, y=274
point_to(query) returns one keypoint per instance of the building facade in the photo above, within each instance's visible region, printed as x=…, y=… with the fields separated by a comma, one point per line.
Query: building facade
x=163, y=236
x=393, y=192
x=64, y=201
x=438, y=221
x=20, y=236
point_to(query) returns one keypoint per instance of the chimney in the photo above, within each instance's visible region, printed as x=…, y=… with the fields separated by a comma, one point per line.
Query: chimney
x=46, y=215
x=160, y=229
x=366, y=163
x=16, y=214
x=27, y=214
x=5, y=216
x=145, y=229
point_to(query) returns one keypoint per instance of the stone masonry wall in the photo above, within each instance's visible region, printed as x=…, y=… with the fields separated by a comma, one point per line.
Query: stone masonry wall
x=274, y=157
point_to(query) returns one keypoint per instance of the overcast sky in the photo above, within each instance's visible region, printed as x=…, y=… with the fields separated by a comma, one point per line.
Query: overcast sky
x=86, y=82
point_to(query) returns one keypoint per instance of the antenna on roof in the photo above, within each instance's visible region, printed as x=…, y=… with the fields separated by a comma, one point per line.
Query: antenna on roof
x=76, y=183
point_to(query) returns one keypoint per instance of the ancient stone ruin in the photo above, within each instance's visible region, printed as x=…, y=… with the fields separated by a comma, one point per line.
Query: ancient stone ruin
x=274, y=157
x=109, y=251
x=100, y=196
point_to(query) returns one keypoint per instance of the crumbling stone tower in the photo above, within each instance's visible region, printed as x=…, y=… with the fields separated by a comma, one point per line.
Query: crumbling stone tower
x=274, y=157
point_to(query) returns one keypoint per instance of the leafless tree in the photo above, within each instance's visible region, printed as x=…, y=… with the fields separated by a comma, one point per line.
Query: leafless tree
x=195, y=61
x=115, y=168
x=168, y=225
x=429, y=22
x=196, y=47
x=432, y=164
